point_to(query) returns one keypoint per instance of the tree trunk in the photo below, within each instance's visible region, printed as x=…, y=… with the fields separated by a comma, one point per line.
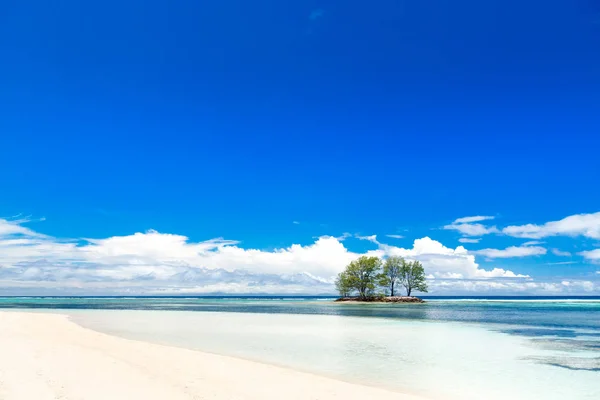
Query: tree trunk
x=392, y=288
x=362, y=293
x=409, y=290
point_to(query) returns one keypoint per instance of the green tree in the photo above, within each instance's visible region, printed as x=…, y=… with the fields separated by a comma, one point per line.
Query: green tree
x=392, y=271
x=412, y=277
x=361, y=275
x=342, y=284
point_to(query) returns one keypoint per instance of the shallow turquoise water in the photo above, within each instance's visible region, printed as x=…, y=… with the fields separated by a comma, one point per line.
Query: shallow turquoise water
x=445, y=349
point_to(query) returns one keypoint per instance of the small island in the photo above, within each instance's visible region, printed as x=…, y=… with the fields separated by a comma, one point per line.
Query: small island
x=382, y=299
x=368, y=279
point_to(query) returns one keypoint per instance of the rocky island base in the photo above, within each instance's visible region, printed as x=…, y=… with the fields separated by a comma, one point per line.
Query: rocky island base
x=375, y=299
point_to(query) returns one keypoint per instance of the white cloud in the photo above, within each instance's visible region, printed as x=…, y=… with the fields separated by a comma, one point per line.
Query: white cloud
x=444, y=262
x=341, y=238
x=395, y=236
x=472, y=229
x=587, y=225
x=154, y=261
x=467, y=240
x=440, y=261
x=370, y=238
x=562, y=263
x=592, y=255
x=477, y=218
x=514, y=287
x=532, y=243
x=295, y=222
x=561, y=253
x=10, y=227
x=468, y=226
x=513, y=251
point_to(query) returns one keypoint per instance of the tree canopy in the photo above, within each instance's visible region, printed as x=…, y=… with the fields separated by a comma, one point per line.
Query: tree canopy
x=364, y=276
x=392, y=271
x=360, y=276
x=413, y=277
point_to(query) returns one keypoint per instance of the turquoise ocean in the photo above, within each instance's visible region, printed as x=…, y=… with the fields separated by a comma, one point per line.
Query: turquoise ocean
x=448, y=348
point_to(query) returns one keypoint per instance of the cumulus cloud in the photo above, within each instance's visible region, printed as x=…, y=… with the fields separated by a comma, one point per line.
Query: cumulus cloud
x=444, y=262
x=469, y=226
x=322, y=258
x=587, y=225
x=154, y=262
x=469, y=240
x=592, y=255
x=513, y=251
x=561, y=253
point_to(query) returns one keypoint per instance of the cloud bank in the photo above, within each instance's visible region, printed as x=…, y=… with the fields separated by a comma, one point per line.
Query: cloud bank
x=587, y=225
x=162, y=263
x=155, y=261
x=513, y=251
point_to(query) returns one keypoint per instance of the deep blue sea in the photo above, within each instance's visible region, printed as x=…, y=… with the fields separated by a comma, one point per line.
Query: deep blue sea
x=448, y=348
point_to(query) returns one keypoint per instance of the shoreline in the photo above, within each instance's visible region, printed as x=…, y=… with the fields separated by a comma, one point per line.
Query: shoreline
x=48, y=356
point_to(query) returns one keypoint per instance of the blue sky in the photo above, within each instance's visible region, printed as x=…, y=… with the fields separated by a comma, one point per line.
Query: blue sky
x=234, y=119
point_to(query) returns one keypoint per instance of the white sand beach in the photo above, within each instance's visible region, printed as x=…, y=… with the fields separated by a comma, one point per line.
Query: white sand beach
x=46, y=356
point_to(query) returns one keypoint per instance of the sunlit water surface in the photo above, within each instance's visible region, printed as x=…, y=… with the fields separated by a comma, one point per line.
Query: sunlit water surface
x=445, y=349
